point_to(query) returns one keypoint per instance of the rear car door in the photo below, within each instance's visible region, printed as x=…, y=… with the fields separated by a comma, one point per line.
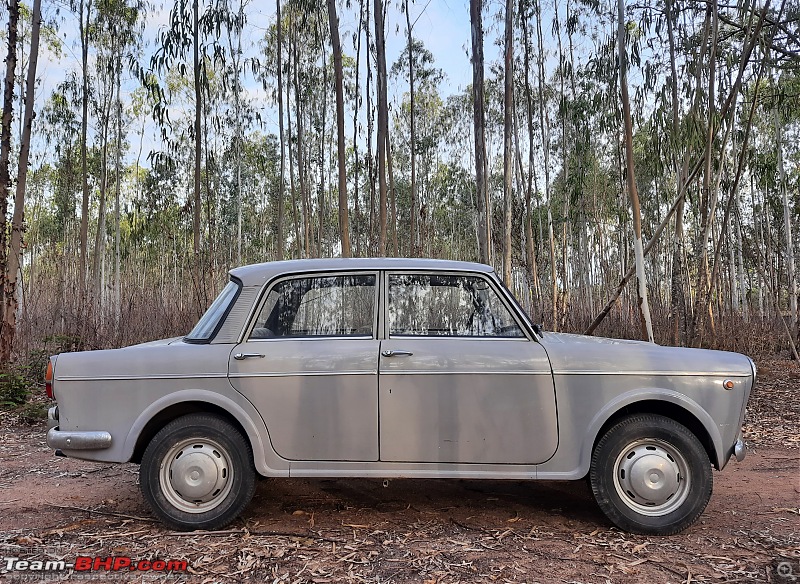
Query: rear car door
x=460, y=379
x=309, y=365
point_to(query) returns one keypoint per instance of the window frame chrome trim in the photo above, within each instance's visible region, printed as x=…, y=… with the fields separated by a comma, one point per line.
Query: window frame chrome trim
x=486, y=276
x=268, y=286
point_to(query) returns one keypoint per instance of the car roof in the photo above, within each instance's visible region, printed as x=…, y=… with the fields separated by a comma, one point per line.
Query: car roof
x=257, y=274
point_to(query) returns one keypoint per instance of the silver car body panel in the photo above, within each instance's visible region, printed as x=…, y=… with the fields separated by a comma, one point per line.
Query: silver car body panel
x=318, y=397
x=335, y=407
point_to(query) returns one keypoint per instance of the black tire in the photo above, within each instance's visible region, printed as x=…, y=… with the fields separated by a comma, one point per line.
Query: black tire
x=650, y=475
x=198, y=473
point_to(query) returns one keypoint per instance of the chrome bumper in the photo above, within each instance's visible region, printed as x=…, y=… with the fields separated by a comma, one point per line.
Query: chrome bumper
x=58, y=440
x=739, y=450
x=52, y=418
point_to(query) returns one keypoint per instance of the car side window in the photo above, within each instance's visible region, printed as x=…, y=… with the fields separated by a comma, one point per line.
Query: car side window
x=447, y=305
x=324, y=306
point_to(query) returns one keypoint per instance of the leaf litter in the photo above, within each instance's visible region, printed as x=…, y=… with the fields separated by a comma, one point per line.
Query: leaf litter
x=356, y=531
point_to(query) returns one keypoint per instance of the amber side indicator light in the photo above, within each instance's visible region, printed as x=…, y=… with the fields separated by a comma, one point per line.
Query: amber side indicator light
x=48, y=380
x=728, y=384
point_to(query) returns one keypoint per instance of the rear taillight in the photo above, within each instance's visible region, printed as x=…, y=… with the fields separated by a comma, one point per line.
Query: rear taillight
x=48, y=380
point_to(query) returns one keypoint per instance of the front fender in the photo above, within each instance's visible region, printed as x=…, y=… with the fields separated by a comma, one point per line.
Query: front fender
x=646, y=394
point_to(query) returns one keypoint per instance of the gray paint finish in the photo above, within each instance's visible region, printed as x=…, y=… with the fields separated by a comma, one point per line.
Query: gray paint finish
x=318, y=397
x=455, y=408
x=467, y=401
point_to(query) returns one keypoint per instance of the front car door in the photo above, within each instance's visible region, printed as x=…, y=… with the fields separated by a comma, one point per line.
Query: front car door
x=461, y=381
x=309, y=365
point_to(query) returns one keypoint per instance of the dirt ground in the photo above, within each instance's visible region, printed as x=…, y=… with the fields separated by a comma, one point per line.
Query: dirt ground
x=434, y=531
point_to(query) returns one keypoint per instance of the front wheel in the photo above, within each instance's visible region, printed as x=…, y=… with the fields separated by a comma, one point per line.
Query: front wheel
x=651, y=475
x=197, y=473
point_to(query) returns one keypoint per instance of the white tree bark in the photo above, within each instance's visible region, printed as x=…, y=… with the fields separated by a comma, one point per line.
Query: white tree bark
x=630, y=175
x=794, y=318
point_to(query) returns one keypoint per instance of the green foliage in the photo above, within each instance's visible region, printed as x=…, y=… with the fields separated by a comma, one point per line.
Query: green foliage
x=15, y=387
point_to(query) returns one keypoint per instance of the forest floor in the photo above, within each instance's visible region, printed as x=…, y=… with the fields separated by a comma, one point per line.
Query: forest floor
x=432, y=531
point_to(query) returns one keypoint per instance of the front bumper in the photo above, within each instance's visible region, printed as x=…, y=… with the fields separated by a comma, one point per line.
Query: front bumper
x=58, y=440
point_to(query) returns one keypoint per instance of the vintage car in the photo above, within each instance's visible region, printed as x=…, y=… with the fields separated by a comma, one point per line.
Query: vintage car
x=399, y=368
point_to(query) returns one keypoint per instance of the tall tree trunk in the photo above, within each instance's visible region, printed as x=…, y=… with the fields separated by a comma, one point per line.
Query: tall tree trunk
x=707, y=198
x=544, y=125
x=239, y=135
x=301, y=173
x=383, y=122
x=344, y=230
x=10, y=288
x=84, y=230
x=413, y=136
x=531, y=251
x=481, y=189
x=508, y=154
x=5, y=145
x=357, y=164
x=198, y=157
x=370, y=123
x=677, y=297
x=298, y=242
x=641, y=289
x=117, y=185
x=280, y=238
x=794, y=317
x=100, y=234
x=392, y=195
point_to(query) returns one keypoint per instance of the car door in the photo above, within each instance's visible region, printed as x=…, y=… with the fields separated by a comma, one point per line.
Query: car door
x=460, y=379
x=309, y=365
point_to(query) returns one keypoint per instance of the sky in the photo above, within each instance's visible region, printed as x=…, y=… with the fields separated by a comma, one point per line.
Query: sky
x=442, y=25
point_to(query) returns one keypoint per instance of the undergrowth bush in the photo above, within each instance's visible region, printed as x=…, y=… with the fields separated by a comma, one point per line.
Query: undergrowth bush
x=15, y=387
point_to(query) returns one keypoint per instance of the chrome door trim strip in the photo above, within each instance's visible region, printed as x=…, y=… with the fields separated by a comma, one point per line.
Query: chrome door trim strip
x=143, y=377
x=465, y=372
x=301, y=374
x=650, y=373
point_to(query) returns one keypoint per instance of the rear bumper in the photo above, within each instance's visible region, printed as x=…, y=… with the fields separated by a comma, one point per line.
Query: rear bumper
x=58, y=440
x=739, y=450
x=96, y=440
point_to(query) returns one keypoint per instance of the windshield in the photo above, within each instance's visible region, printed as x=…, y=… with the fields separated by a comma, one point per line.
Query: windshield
x=207, y=325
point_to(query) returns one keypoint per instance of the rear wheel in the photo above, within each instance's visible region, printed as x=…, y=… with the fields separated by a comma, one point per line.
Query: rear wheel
x=651, y=475
x=197, y=473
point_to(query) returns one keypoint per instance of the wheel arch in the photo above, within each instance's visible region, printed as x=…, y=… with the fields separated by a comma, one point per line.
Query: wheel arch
x=178, y=404
x=670, y=405
x=174, y=411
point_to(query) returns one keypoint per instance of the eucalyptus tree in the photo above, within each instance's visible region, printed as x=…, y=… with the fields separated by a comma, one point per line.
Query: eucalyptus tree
x=280, y=238
x=18, y=218
x=5, y=132
x=383, y=121
x=190, y=42
x=11, y=260
x=114, y=33
x=641, y=288
x=479, y=121
x=508, y=155
x=84, y=8
x=344, y=228
x=418, y=124
x=544, y=132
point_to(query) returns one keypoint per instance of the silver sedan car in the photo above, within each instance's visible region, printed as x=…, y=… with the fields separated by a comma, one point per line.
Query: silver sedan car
x=399, y=368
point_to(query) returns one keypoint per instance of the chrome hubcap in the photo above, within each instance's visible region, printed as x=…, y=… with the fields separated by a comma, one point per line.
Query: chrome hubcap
x=651, y=477
x=196, y=475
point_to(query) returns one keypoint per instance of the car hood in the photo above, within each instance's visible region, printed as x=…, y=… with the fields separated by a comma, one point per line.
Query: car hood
x=578, y=353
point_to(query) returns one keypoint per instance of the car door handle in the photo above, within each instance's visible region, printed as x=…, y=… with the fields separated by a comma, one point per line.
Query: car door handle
x=243, y=356
x=396, y=353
